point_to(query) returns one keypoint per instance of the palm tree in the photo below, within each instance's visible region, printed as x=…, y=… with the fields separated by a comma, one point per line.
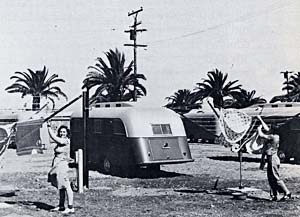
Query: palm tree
x=243, y=99
x=36, y=84
x=113, y=82
x=217, y=87
x=292, y=85
x=286, y=84
x=295, y=90
x=183, y=101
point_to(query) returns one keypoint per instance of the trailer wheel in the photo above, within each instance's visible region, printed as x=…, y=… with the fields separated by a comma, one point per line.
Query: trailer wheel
x=283, y=157
x=107, y=165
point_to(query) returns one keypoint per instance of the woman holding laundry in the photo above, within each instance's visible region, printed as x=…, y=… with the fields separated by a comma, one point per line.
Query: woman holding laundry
x=269, y=150
x=58, y=175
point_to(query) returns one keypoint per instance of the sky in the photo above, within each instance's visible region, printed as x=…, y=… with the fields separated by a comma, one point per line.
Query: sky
x=251, y=40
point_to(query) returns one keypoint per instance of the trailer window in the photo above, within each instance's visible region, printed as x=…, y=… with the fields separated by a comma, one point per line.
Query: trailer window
x=159, y=129
x=156, y=129
x=118, y=127
x=166, y=129
x=98, y=126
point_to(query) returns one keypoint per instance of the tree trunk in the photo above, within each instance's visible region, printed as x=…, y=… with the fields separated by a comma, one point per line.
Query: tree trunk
x=36, y=102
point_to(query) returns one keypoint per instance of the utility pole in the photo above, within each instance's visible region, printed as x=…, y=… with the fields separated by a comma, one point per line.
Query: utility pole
x=286, y=76
x=133, y=33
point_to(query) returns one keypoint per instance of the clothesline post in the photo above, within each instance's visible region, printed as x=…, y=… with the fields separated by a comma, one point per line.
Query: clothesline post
x=240, y=154
x=85, y=111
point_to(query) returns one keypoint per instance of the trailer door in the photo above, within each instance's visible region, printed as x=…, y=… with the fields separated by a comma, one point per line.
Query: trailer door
x=165, y=148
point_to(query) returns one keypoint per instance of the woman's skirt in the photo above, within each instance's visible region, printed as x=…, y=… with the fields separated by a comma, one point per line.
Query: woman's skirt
x=58, y=175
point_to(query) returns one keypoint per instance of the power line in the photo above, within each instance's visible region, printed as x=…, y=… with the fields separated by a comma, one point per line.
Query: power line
x=239, y=19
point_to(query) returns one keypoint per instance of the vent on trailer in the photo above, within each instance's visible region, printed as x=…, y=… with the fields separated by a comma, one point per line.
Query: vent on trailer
x=114, y=104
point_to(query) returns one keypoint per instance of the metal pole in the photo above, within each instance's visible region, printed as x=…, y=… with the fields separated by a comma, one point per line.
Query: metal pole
x=79, y=161
x=241, y=159
x=134, y=58
x=85, y=111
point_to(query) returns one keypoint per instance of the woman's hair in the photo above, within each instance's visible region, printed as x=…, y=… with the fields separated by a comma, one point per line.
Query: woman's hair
x=63, y=127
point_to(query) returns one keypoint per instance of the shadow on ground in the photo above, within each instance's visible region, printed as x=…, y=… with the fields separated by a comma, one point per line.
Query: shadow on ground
x=232, y=158
x=144, y=173
x=8, y=194
x=36, y=204
x=149, y=174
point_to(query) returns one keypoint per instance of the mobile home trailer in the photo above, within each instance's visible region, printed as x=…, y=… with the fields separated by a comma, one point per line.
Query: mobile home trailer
x=124, y=136
x=277, y=113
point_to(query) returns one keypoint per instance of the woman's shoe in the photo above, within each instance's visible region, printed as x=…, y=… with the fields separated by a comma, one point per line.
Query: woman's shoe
x=68, y=210
x=274, y=198
x=58, y=209
x=286, y=196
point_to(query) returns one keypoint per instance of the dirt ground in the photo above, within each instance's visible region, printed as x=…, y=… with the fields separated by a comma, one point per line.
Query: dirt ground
x=178, y=190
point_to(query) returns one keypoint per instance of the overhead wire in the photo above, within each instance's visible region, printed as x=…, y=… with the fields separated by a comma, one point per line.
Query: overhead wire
x=271, y=8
